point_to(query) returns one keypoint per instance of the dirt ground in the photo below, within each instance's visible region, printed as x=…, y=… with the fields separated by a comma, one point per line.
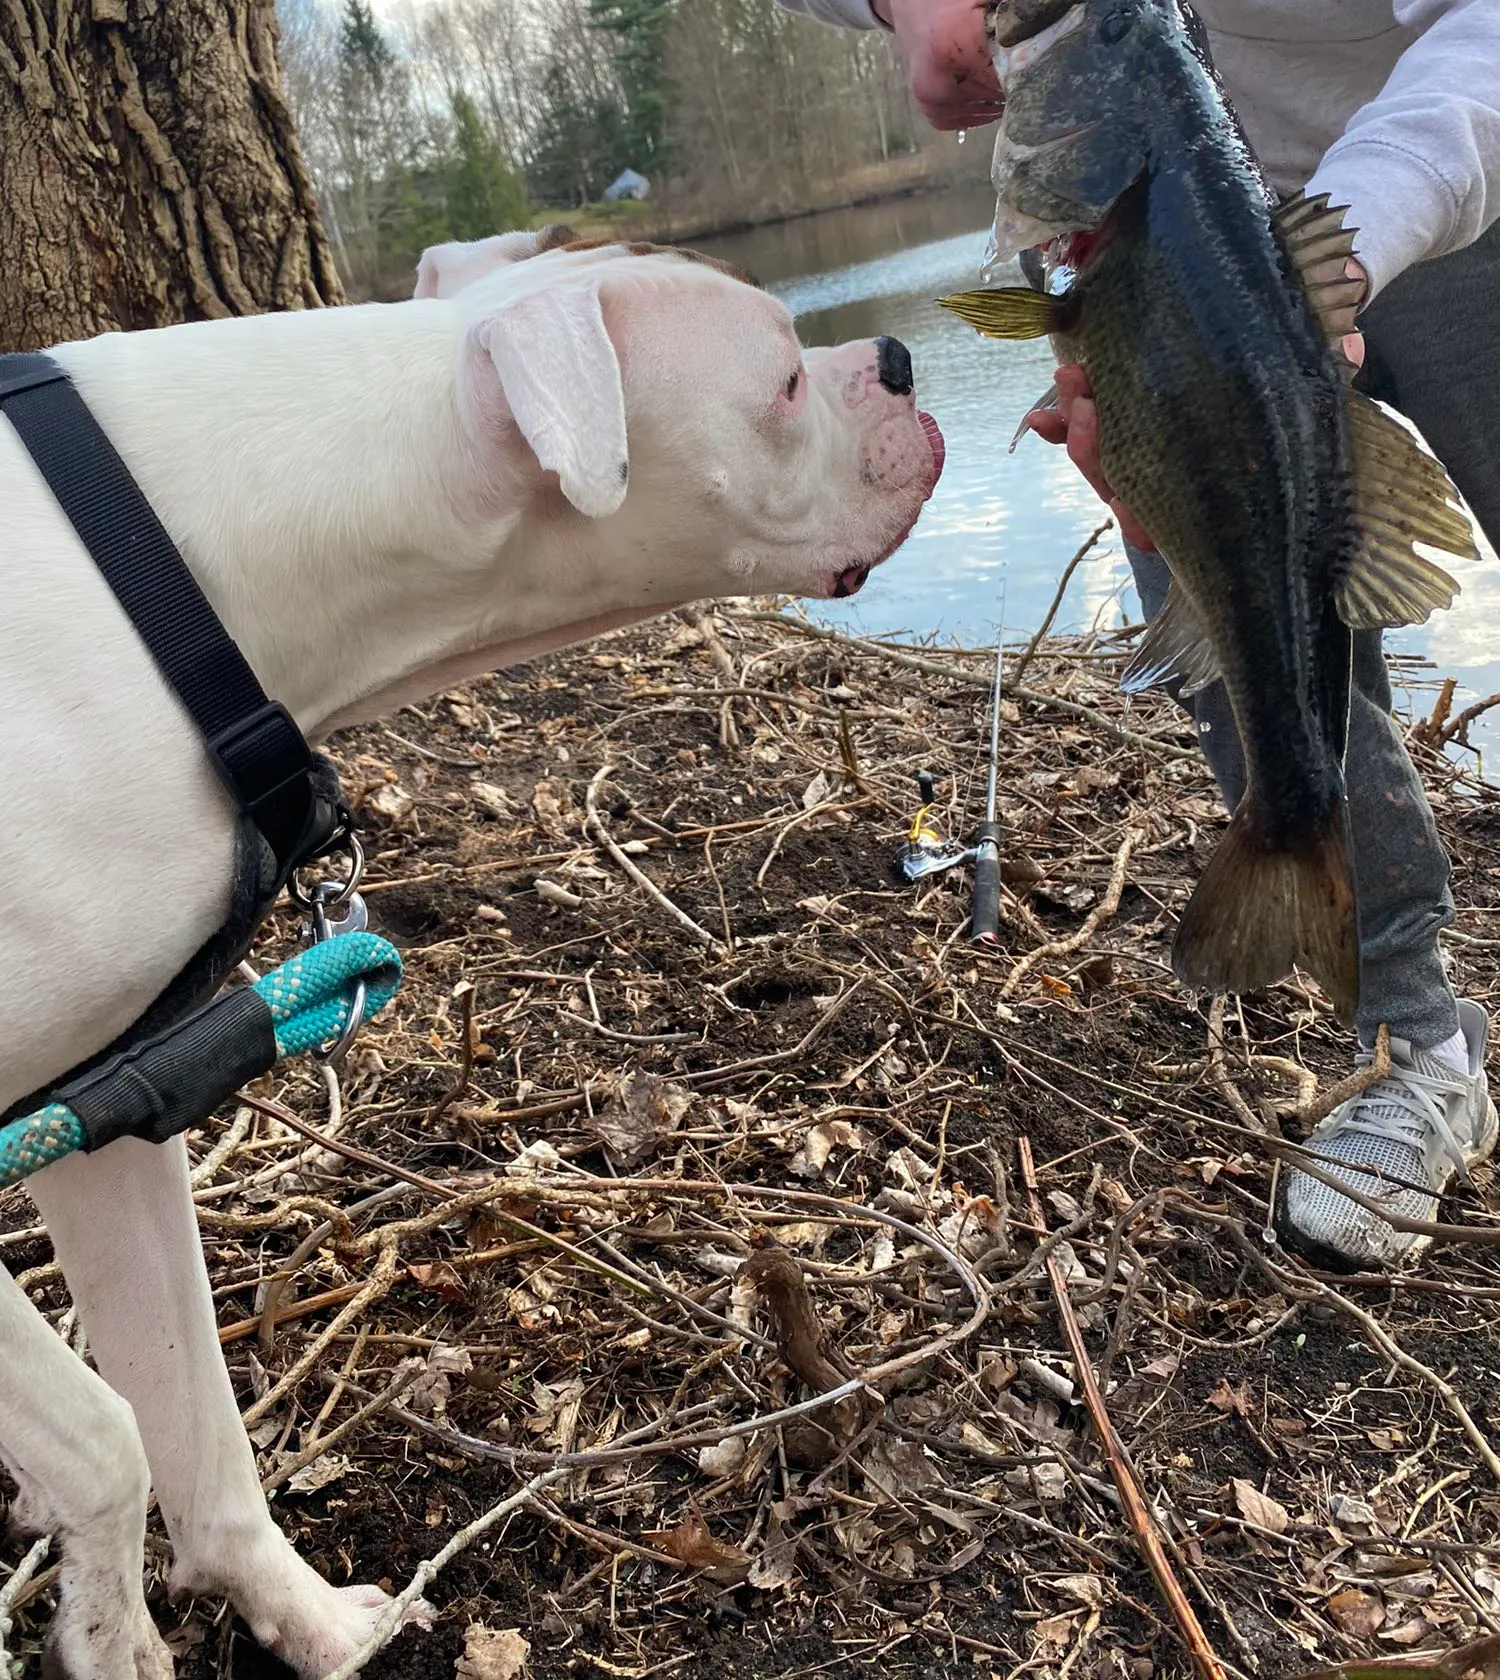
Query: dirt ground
x=739, y=1119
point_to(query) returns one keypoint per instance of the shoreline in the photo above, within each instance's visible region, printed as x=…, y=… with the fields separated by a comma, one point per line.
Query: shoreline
x=662, y=225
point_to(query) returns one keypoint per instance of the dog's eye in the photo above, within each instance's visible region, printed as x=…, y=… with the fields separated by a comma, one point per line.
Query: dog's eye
x=792, y=384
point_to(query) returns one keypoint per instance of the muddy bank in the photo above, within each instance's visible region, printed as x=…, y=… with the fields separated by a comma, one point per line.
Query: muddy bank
x=714, y=1115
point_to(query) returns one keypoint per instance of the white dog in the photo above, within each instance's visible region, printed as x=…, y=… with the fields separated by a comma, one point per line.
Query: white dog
x=380, y=502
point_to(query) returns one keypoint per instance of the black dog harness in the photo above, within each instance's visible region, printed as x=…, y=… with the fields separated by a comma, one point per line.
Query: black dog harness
x=288, y=797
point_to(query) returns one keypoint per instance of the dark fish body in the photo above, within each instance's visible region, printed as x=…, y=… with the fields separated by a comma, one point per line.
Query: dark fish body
x=1209, y=325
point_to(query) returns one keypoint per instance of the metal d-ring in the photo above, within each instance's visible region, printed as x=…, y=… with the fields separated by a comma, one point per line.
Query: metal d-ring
x=305, y=897
x=323, y=902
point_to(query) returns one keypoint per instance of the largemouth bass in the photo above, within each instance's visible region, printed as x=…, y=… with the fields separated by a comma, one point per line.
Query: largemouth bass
x=1286, y=505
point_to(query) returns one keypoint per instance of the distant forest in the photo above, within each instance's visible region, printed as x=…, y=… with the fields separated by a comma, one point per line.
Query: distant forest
x=453, y=119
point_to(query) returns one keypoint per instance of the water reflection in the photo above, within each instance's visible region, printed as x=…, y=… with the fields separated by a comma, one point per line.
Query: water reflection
x=996, y=516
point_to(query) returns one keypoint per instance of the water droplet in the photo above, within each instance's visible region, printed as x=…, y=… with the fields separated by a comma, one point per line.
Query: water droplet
x=963, y=134
x=991, y=263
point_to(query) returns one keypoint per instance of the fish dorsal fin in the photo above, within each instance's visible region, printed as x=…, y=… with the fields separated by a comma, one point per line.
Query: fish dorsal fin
x=1009, y=311
x=1402, y=496
x=1318, y=245
x=1175, y=648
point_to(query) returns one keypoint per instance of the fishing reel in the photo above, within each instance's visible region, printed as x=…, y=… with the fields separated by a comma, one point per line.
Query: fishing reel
x=928, y=851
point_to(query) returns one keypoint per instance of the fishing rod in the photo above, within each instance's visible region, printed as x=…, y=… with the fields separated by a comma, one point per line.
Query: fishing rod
x=929, y=852
x=984, y=912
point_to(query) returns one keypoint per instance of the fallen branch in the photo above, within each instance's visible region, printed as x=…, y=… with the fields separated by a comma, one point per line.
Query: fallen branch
x=1100, y=914
x=973, y=679
x=1142, y=1528
x=601, y=832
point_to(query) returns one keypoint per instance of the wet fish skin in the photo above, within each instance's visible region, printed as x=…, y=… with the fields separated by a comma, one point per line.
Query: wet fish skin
x=1222, y=426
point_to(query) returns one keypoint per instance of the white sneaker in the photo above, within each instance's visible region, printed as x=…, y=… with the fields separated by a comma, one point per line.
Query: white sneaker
x=1423, y=1125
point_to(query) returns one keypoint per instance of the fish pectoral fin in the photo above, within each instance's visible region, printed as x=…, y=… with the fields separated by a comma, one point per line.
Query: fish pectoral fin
x=1008, y=311
x=1259, y=910
x=1319, y=247
x=1402, y=496
x=1051, y=402
x=1175, y=648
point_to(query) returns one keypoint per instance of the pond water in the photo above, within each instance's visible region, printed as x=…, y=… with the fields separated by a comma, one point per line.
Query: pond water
x=1001, y=525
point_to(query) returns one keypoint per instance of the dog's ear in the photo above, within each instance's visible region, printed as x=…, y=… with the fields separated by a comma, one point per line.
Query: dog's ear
x=446, y=269
x=551, y=352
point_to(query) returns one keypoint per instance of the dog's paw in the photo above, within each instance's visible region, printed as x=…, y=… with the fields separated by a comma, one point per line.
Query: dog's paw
x=316, y=1639
x=289, y=1608
x=84, y=1647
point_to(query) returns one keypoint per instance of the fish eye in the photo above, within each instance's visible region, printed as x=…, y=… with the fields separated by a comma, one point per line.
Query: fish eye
x=1115, y=28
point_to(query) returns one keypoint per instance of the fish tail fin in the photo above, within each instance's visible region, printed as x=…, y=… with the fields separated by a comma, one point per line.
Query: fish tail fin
x=1261, y=908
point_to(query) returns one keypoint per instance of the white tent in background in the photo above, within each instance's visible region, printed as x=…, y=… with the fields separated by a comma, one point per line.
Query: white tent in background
x=627, y=185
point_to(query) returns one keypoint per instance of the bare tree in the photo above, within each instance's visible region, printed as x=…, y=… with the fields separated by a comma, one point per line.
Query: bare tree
x=149, y=170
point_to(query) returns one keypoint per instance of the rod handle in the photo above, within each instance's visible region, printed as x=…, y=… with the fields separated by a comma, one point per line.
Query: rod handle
x=984, y=918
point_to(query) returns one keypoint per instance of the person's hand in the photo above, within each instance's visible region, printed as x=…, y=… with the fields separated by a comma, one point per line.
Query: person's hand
x=1354, y=343
x=1075, y=423
x=946, y=52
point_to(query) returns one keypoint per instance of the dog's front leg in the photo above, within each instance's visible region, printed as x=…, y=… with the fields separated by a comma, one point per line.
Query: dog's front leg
x=126, y=1236
x=72, y=1446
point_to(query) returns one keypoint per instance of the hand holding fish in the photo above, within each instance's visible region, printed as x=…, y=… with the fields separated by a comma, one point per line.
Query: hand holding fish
x=947, y=56
x=1074, y=421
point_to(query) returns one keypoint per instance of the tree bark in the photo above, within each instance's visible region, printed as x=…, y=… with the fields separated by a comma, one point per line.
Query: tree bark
x=149, y=170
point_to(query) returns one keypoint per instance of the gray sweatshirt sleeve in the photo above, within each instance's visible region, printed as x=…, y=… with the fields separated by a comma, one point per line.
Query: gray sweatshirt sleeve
x=855, y=14
x=1419, y=166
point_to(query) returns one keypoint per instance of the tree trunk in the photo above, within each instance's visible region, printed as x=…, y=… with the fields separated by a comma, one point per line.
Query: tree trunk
x=149, y=170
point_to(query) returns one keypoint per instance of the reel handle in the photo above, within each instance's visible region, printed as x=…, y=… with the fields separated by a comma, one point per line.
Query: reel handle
x=984, y=917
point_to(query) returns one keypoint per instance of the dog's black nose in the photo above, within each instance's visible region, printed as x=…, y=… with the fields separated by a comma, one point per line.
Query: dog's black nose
x=893, y=363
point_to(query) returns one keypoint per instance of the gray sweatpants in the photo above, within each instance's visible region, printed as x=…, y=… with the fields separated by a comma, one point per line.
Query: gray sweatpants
x=1432, y=350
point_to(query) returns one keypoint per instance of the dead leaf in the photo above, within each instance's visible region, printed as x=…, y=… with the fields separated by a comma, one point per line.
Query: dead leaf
x=1089, y=1590
x=554, y=894
x=695, y=1548
x=1350, y=1512
x=1411, y=1632
x=548, y=808
x=491, y=1655
x=819, y=1143
x=644, y=1111
x=493, y=799
x=1234, y=1402
x=1356, y=1612
x=328, y=1467
x=431, y=1390
x=777, y=1564
x=816, y=791
x=438, y=1278
x=390, y=800
x=1258, y=1508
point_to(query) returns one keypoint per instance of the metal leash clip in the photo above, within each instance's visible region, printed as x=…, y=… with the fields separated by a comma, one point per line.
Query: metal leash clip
x=335, y=907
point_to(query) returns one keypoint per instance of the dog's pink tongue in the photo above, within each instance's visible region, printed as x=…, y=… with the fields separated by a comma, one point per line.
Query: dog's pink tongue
x=936, y=440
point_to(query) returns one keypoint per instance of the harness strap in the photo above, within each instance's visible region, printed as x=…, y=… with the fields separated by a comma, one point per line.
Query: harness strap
x=252, y=741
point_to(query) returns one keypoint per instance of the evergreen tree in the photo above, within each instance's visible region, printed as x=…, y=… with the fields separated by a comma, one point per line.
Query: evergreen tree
x=361, y=43
x=580, y=144
x=482, y=193
x=640, y=29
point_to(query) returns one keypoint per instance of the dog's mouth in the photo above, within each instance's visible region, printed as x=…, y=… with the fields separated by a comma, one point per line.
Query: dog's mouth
x=936, y=442
x=853, y=578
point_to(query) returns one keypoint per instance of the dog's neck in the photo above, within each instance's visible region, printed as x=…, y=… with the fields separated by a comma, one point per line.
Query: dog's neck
x=360, y=544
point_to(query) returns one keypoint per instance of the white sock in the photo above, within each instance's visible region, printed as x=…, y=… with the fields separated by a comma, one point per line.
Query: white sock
x=1454, y=1051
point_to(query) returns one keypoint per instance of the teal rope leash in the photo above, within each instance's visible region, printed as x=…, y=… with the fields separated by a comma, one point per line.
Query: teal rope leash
x=308, y=998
